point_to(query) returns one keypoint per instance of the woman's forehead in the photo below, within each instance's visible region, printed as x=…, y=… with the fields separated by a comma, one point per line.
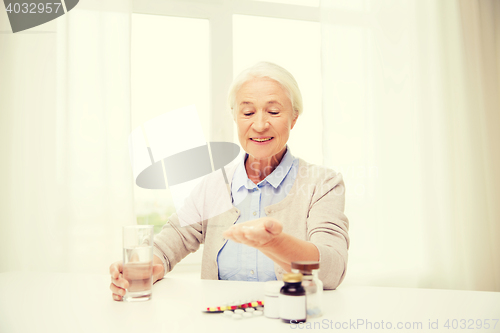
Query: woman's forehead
x=262, y=88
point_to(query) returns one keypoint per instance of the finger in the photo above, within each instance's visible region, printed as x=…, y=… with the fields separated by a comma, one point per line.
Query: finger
x=112, y=270
x=115, y=269
x=228, y=233
x=258, y=239
x=248, y=233
x=134, y=257
x=247, y=227
x=116, y=290
x=273, y=227
x=117, y=297
x=238, y=235
x=157, y=269
x=248, y=239
x=120, y=281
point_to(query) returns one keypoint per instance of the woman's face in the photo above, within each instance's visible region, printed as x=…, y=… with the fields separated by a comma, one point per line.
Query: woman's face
x=264, y=116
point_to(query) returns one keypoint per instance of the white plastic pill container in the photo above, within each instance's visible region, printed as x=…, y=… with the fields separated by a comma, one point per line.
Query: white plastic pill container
x=271, y=300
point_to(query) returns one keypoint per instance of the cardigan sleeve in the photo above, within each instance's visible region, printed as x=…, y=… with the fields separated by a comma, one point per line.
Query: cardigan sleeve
x=327, y=229
x=174, y=242
x=181, y=235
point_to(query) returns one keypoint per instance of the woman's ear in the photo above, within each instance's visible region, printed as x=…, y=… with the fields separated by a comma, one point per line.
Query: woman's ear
x=294, y=120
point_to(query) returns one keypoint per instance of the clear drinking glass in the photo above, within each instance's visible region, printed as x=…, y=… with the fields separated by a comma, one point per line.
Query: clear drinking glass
x=138, y=262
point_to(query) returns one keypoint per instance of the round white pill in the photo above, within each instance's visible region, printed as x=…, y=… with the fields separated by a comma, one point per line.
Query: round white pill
x=249, y=309
x=228, y=313
x=247, y=314
x=257, y=313
x=260, y=308
x=239, y=311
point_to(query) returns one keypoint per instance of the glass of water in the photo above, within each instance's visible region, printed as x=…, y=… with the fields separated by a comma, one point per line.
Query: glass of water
x=138, y=262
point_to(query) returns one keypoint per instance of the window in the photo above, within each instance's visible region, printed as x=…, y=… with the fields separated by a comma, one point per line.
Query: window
x=169, y=70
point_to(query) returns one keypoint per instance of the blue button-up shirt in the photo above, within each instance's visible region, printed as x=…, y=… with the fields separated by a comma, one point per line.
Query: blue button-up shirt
x=241, y=262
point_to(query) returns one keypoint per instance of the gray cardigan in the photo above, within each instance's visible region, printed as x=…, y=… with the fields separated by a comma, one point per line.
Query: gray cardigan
x=313, y=211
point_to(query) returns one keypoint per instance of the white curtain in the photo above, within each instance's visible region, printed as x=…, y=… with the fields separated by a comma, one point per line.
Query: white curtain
x=65, y=117
x=411, y=114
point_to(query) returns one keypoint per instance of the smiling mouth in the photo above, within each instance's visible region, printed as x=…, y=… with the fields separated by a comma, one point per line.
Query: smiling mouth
x=262, y=140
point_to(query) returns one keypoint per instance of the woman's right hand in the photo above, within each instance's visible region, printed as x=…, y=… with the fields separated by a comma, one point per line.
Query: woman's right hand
x=118, y=282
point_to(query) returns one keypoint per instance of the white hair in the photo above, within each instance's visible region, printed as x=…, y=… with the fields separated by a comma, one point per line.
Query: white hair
x=274, y=72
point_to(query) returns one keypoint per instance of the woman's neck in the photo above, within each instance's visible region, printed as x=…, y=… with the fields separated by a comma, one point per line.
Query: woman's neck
x=258, y=169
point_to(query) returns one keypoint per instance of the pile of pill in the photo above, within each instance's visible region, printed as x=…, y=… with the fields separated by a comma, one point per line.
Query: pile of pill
x=244, y=313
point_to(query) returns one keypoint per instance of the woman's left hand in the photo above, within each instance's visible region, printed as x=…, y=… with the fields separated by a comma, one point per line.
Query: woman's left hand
x=263, y=232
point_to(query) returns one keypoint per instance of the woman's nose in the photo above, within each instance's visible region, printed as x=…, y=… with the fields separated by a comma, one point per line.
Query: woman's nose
x=260, y=124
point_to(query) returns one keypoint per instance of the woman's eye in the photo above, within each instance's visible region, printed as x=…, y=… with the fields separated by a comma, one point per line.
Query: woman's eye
x=247, y=113
x=274, y=112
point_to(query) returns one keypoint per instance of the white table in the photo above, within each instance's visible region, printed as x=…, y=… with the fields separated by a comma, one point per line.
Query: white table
x=58, y=302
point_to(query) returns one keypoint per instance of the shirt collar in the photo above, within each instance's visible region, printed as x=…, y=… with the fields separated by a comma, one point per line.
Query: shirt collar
x=275, y=178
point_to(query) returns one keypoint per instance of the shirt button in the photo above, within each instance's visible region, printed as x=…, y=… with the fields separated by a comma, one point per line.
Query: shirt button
x=251, y=272
x=254, y=213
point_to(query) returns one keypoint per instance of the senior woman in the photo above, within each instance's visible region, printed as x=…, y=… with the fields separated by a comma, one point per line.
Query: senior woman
x=283, y=208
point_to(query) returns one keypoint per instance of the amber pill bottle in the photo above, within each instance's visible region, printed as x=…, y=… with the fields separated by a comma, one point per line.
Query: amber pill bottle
x=292, y=299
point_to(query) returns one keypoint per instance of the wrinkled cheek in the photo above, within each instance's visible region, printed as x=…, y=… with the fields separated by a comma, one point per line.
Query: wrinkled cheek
x=282, y=140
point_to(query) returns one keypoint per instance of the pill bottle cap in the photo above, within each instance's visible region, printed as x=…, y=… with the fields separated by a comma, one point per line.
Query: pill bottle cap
x=273, y=287
x=292, y=277
x=305, y=265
